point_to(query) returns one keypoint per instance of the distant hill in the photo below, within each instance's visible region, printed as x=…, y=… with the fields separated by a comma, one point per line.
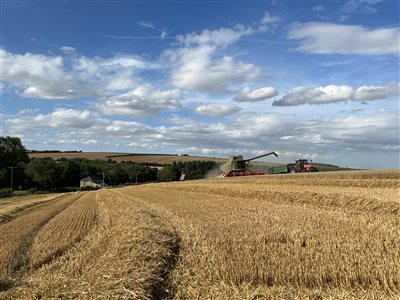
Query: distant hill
x=164, y=159
x=133, y=157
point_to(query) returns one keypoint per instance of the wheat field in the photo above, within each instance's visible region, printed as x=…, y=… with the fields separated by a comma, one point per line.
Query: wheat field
x=296, y=236
x=119, y=157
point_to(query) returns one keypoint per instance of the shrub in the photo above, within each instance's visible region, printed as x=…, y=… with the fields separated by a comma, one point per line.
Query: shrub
x=5, y=192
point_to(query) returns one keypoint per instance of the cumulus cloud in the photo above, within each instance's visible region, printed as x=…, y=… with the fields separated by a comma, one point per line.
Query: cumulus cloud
x=59, y=118
x=320, y=95
x=248, y=133
x=249, y=95
x=316, y=37
x=57, y=77
x=262, y=126
x=38, y=76
x=222, y=37
x=143, y=100
x=197, y=64
x=362, y=133
x=333, y=93
x=90, y=126
x=373, y=92
x=217, y=110
x=199, y=69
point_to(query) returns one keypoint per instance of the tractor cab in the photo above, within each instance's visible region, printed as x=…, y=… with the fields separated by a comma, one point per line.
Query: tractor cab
x=302, y=162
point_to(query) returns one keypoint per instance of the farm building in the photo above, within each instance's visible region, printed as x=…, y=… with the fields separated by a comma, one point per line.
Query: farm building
x=92, y=181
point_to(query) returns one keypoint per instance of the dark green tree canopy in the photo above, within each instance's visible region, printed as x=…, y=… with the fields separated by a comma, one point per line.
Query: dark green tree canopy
x=12, y=152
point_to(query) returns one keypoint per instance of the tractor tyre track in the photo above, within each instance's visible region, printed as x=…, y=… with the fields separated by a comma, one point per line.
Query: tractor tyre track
x=17, y=235
x=7, y=215
x=171, y=242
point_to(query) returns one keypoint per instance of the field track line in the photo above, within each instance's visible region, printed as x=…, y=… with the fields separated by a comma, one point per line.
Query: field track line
x=18, y=210
x=28, y=200
x=16, y=237
x=163, y=289
x=65, y=229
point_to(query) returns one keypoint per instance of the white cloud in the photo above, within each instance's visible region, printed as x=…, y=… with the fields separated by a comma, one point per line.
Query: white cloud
x=89, y=126
x=198, y=64
x=143, y=100
x=360, y=6
x=320, y=95
x=217, y=110
x=51, y=91
x=316, y=37
x=373, y=92
x=57, y=77
x=123, y=61
x=268, y=21
x=59, y=118
x=197, y=69
x=249, y=95
x=262, y=126
x=249, y=134
x=73, y=141
x=333, y=93
x=163, y=34
x=146, y=24
x=361, y=133
x=222, y=37
x=68, y=49
x=38, y=76
x=28, y=111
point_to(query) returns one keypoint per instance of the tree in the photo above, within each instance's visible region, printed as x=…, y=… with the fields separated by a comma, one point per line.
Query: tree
x=169, y=172
x=12, y=154
x=45, y=172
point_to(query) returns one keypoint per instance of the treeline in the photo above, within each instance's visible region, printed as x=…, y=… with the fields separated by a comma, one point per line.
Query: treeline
x=47, y=173
x=53, y=151
x=50, y=174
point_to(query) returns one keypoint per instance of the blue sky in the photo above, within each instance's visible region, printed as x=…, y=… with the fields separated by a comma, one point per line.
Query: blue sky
x=314, y=79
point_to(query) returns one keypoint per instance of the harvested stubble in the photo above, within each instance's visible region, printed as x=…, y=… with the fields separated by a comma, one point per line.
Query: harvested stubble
x=16, y=236
x=357, y=192
x=126, y=255
x=245, y=247
x=15, y=205
x=62, y=231
x=241, y=238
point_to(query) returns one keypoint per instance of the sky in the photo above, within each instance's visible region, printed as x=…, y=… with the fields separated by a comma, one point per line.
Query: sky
x=307, y=79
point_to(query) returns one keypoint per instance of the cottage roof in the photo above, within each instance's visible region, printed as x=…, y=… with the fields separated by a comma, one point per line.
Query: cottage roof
x=91, y=179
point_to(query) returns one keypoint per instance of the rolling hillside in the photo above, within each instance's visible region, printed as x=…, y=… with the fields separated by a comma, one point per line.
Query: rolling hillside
x=163, y=159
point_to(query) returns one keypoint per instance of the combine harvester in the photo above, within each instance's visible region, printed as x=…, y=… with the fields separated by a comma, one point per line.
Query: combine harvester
x=237, y=166
x=300, y=166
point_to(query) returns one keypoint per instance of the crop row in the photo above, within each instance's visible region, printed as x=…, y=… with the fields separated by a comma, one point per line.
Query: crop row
x=125, y=255
x=62, y=231
x=16, y=235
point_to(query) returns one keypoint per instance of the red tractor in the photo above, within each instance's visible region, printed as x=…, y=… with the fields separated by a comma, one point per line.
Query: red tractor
x=301, y=165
